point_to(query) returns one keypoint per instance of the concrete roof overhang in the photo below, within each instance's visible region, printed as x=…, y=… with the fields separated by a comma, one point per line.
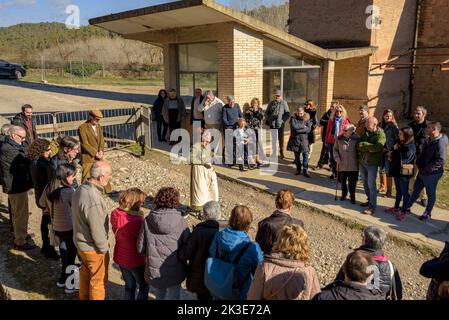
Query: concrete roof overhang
x=147, y=23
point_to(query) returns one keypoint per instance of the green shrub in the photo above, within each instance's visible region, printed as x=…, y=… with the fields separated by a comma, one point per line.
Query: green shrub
x=77, y=68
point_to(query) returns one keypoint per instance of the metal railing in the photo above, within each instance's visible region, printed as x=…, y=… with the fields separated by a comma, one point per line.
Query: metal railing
x=121, y=127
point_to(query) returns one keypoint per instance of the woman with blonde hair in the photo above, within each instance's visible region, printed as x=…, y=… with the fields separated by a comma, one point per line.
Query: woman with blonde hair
x=337, y=121
x=126, y=223
x=286, y=273
x=391, y=129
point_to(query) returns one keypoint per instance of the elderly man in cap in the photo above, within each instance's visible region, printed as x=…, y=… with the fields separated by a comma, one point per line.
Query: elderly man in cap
x=92, y=144
x=277, y=114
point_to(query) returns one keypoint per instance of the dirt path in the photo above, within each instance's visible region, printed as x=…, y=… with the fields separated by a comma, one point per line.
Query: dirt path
x=331, y=240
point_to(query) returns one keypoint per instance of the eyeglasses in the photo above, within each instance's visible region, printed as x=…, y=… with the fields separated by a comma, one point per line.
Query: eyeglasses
x=21, y=137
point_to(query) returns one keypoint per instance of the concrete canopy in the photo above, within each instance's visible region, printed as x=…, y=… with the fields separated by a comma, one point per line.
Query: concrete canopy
x=148, y=24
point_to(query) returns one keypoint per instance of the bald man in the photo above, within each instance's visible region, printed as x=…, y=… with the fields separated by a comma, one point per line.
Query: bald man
x=90, y=231
x=16, y=182
x=370, y=158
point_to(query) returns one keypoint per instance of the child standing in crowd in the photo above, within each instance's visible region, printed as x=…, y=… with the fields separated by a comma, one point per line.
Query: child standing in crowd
x=126, y=223
x=241, y=145
x=404, y=153
x=57, y=198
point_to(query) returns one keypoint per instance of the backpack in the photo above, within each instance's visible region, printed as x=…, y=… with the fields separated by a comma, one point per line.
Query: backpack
x=220, y=279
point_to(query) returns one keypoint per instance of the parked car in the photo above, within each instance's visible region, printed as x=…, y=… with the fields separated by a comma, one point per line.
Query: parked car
x=11, y=70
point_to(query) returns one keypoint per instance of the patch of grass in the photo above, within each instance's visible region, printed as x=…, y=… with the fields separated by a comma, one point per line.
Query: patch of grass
x=443, y=190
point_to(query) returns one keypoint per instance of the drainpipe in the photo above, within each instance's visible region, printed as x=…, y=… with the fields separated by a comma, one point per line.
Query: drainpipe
x=415, y=45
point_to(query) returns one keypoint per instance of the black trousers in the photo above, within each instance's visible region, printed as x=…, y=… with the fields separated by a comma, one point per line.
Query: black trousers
x=45, y=221
x=324, y=156
x=162, y=128
x=281, y=140
x=348, y=178
x=172, y=123
x=68, y=257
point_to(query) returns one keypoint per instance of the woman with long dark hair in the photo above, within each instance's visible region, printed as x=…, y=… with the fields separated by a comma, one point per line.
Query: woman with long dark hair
x=162, y=126
x=57, y=197
x=39, y=153
x=68, y=151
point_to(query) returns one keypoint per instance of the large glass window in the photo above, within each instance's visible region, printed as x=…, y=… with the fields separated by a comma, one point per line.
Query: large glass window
x=197, y=68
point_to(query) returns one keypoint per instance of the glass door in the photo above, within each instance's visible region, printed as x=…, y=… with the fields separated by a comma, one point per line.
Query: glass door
x=272, y=80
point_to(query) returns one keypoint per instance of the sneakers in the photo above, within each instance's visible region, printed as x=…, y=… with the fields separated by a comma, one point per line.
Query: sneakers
x=306, y=174
x=25, y=247
x=392, y=210
x=425, y=216
x=401, y=216
x=365, y=204
x=423, y=202
x=369, y=211
x=242, y=168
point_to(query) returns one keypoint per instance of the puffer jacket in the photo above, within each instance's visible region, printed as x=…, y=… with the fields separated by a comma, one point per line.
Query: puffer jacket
x=433, y=156
x=40, y=175
x=163, y=232
x=196, y=251
x=270, y=228
x=15, y=168
x=340, y=290
x=385, y=282
x=278, y=278
x=371, y=147
x=126, y=227
x=299, y=133
x=227, y=245
x=345, y=151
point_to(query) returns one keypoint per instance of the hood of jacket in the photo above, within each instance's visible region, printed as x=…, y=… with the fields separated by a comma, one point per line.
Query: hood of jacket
x=306, y=117
x=280, y=260
x=230, y=238
x=164, y=221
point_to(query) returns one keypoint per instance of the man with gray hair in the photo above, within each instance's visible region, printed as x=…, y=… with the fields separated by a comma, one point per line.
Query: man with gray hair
x=213, y=109
x=16, y=182
x=386, y=280
x=196, y=251
x=90, y=231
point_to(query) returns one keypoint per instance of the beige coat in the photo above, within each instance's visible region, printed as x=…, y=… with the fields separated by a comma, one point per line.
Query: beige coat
x=347, y=153
x=278, y=278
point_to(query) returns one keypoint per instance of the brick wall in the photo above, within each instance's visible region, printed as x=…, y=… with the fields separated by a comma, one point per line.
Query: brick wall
x=330, y=22
x=431, y=86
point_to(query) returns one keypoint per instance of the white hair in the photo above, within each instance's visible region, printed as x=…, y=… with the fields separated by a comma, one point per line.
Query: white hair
x=210, y=93
x=5, y=129
x=15, y=130
x=375, y=237
x=100, y=169
x=212, y=211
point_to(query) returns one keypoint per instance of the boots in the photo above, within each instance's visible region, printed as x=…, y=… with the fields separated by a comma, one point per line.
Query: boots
x=389, y=187
x=383, y=183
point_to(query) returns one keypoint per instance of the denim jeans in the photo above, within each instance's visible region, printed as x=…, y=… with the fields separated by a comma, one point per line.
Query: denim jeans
x=401, y=185
x=133, y=278
x=369, y=175
x=68, y=256
x=429, y=182
x=170, y=293
x=305, y=161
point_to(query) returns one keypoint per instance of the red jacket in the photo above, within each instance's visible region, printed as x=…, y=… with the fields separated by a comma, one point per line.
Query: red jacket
x=126, y=228
x=330, y=124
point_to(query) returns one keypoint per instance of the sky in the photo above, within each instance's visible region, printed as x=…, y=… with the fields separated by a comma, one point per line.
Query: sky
x=20, y=11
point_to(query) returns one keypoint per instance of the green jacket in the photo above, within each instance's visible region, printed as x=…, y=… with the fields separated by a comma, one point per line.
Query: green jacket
x=371, y=147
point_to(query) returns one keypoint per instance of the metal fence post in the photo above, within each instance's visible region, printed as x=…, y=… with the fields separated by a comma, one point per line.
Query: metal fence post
x=147, y=127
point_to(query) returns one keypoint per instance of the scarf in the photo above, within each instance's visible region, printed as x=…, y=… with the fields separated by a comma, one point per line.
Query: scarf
x=133, y=213
x=337, y=126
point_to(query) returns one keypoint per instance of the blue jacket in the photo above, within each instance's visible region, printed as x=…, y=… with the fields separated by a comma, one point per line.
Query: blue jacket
x=227, y=244
x=231, y=116
x=433, y=156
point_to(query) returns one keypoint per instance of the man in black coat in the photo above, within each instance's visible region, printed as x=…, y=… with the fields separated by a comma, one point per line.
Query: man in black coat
x=196, y=251
x=16, y=182
x=26, y=121
x=419, y=126
x=386, y=280
x=358, y=270
x=270, y=228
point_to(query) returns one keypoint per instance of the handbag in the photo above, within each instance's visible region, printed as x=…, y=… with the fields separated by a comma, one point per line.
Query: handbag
x=407, y=169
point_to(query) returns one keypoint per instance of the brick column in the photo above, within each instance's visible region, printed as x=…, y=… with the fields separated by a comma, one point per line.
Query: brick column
x=327, y=84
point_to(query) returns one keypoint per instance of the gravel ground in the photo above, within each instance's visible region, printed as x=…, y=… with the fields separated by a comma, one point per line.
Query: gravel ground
x=331, y=240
